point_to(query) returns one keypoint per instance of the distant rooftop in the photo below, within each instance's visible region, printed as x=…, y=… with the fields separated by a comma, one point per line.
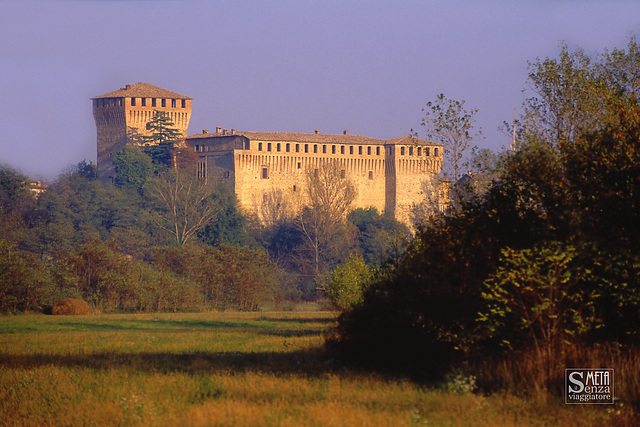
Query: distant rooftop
x=312, y=138
x=142, y=90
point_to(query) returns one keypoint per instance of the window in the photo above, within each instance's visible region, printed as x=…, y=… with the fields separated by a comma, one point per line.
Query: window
x=368, y=151
x=278, y=146
x=435, y=152
x=411, y=151
x=297, y=148
x=360, y=150
x=342, y=149
x=370, y=174
x=419, y=151
x=247, y=145
x=164, y=102
x=333, y=149
x=153, y=102
x=299, y=165
x=306, y=148
x=173, y=103
x=259, y=146
x=377, y=151
x=184, y=103
x=426, y=151
x=294, y=188
x=133, y=102
x=402, y=151
x=265, y=173
x=268, y=146
x=324, y=149
x=287, y=147
x=143, y=102
x=351, y=149
x=315, y=148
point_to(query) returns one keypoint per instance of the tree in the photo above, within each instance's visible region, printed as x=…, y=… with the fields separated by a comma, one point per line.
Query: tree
x=132, y=167
x=327, y=238
x=161, y=143
x=347, y=283
x=380, y=237
x=447, y=122
x=184, y=204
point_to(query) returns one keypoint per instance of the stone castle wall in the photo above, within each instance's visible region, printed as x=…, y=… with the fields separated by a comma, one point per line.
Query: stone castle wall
x=264, y=172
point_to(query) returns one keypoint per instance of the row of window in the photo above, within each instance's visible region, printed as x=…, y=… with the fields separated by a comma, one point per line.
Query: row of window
x=343, y=174
x=287, y=148
x=163, y=102
x=113, y=102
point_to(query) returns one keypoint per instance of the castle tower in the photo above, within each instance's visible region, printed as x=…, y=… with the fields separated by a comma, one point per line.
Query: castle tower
x=122, y=116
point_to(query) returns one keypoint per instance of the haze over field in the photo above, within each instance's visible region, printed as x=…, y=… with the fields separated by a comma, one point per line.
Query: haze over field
x=368, y=67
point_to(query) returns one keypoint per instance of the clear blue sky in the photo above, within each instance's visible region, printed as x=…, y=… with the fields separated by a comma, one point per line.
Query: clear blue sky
x=291, y=66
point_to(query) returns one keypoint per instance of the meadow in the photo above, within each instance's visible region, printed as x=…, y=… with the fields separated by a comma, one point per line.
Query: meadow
x=228, y=368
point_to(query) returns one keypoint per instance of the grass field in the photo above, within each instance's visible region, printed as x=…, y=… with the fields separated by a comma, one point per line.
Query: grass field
x=227, y=369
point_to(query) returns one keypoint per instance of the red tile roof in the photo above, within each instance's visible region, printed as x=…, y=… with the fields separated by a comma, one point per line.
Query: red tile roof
x=142, y=90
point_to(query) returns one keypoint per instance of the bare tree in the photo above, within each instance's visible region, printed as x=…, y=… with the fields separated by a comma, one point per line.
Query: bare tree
x=275, y=208
x=184, y=204
x=322, y=222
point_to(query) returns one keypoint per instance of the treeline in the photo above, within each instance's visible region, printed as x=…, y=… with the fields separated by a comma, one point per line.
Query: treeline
x=542, y=271
x=157, y=239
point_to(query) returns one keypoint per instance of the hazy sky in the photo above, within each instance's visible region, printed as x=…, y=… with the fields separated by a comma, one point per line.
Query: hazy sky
x=289, y=66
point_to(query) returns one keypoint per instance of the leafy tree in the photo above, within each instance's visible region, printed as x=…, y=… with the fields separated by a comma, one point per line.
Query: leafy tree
x=380, y=237
x=133, y=168
x=447, y=122
x=230, y=226
x=347, y=283
x=15, y=191
x=161, y=143
x=23, y=279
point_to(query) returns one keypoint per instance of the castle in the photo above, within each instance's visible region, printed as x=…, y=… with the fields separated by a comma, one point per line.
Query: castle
x=390, y=175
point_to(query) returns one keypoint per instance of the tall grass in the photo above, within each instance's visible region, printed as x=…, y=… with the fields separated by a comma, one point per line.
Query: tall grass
x=225, y=369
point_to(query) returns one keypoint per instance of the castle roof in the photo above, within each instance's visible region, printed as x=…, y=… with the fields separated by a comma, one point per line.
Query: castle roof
x=410, y=140
x=312, y=138
x=142, y=90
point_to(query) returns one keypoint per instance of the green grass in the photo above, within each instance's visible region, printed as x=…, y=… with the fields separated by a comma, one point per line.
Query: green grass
x=226, y=369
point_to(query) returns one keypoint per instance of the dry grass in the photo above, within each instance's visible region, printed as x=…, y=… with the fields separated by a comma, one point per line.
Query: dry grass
x=226, y=369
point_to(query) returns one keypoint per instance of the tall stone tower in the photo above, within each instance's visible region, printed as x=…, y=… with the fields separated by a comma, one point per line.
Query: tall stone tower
x=122, y=116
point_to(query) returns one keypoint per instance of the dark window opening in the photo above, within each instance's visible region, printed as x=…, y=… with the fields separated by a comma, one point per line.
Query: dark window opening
x=351, y=149
x=259, y=146
x=184, y=103
x=288, y=147
x=297, y=148
x=173, y=103
x=268, y=146
x=368, y=151
x=133, y=102
x=164, y=102
x=306, y=148
x=265, y=173
x=315, y=148
x=278, y=147
x=411, y=151
x=377, y=151
x=153, y=102
x=419, y=151
x=143, y=102
x=402, y=151
x=342, y=149
x=370, y=174
x=299, y=165
x=333, y=149
x=435, y=152
x=360, y=151
x=324, y=149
